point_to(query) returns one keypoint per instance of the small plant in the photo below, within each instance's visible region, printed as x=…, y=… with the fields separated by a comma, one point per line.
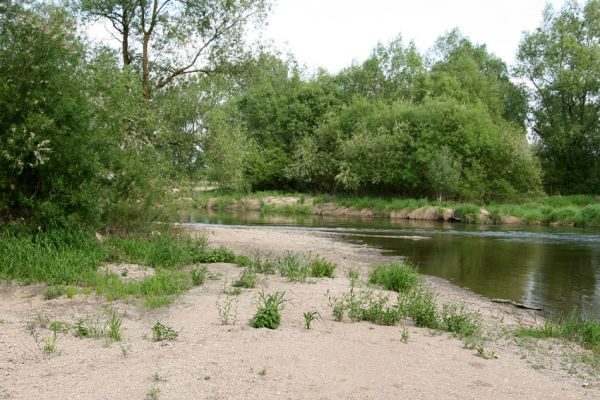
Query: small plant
x=162, y=332
x=486, y=355
x=395, y=276
x=89, y=328
x=404, y=336
x=154, y=393
x=262, y=265
x=311, y=316
x=457, y=320
x=242, y=261
x=422, y=309
x=114, y=325
x=199, y=276
x=52, y=292
x=322, y=268
x=59, y=326
x=268, y=313
x=262, y=372
x=228, y=310
x=157, y=378
x=292, y=267
x=125, y=350
x=71, y=292
x=338, y=307
x=124, y=272
x=232, y=291
x=50, y=344
x=246, y=280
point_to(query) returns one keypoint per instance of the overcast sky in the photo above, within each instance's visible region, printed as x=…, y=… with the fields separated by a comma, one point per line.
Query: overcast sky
x=333, y=33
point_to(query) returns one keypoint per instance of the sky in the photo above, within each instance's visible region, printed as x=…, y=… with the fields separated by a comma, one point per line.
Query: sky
x=334, y=33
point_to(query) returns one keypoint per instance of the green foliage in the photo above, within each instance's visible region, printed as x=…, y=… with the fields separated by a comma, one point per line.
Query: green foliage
x=560, y=60
x=571, y=327
x=164, y=250
x=268, y=313
x=246, y=280
x=320, y=267
x=396, y=276
x=422, y=309
x=198, y=276
x=52, y=292
x=309, y=317
x=162, y=332
x=458, y=320
x=293, y=267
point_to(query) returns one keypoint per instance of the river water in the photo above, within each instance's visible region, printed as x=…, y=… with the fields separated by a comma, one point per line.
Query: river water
x=554, y=268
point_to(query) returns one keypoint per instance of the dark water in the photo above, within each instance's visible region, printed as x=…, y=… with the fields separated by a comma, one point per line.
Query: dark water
x=554, y=268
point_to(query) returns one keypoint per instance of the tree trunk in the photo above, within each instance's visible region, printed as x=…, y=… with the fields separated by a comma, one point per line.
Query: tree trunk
x=126, y=57
x=145, y=67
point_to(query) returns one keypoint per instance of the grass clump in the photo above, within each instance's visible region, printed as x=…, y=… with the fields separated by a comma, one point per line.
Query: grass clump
x=320, y=267
x=458, y=320
x=572, y=328
x=111, y=328
x=268, y=313
x=293, y=267
x=53, y=292
x=162, y=332
x=396, y=276
x=228, y=310
x=198, y=276
x=246, y=280
x=421, y=307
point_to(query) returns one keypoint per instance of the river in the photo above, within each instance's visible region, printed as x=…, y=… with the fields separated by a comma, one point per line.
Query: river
x=557, y=269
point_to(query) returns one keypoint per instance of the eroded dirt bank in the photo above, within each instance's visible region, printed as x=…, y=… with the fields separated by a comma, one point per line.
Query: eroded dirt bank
x=331, y=361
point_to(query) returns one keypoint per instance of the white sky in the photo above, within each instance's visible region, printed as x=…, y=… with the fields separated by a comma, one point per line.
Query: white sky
x=333, y=33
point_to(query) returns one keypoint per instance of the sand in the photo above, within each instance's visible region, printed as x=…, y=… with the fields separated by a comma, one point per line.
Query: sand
x=334, y=360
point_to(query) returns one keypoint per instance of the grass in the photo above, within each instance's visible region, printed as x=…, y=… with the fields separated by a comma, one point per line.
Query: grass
x=395, y=276
x=577, y=210
x=571, y=328
x=268, y=312
x=68, y=260
x=110, y=328
x=293, y=266
x=246, y=280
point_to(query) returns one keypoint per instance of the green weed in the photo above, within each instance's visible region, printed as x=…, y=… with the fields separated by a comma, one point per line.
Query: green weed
x=311, y=316
x=572, y=328
x=162, y=332
x=268, y=313
x=52, y=292
x=228, y=310
x=458, y=320
x=198, y=276
x=246, y=280
x=320, y=267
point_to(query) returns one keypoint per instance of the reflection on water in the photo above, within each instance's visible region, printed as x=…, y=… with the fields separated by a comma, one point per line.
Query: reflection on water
x=557, y=269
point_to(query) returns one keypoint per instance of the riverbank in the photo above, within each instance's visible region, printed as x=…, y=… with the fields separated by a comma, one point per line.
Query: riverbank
x=579, y=211
x=209, y=359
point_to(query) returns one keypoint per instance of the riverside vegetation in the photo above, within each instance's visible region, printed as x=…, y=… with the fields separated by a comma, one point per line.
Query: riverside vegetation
x=91, y=139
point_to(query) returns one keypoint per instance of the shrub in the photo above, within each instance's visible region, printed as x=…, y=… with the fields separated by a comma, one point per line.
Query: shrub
x=162, y=332
x=268, y=313
x=458, y=320
x=246, y=280
x=421, y=308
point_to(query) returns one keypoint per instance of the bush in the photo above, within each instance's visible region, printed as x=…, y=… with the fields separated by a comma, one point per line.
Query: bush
x=396, y=276
x=322, y=268
x=268, y=313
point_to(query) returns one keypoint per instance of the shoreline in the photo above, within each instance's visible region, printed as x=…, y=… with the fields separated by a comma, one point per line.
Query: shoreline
x=332, y=360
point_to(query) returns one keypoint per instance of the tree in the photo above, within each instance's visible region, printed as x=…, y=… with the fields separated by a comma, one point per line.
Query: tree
x=177, y=38
x=561, y=62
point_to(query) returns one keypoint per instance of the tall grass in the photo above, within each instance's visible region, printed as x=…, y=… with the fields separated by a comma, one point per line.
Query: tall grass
x=396, y=276
x=571, y=327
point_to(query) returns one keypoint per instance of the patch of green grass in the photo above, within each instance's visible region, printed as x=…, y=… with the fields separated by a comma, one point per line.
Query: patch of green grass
x=320, y=267
x=262, y=372
x=396, y=276
x=458, y=320
x=114, y=327
x=71, y=292
x=246, y=280
x=52, y=292
x=268, y=312
x=154, y=393
x=198, y=276
x=162, y=332
x=468, y=213
x=572, y=328
x=59, y=326
x=293, y=267
x=164, y=250
x=110, y=327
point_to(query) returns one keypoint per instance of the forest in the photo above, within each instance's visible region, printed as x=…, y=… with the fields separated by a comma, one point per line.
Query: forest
x=95, y=133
